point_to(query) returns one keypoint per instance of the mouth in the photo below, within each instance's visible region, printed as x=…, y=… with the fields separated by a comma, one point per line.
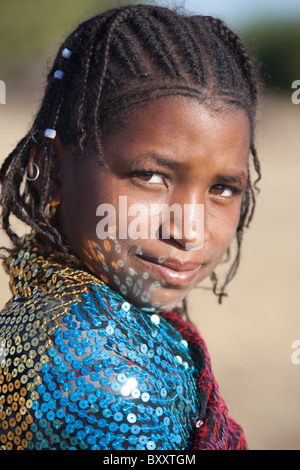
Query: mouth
x=171, y=271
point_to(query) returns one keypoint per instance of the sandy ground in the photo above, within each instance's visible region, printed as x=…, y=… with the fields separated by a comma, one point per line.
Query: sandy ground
x=250, y=335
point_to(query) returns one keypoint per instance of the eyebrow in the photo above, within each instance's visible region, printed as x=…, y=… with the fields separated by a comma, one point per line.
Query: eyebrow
x=159, y=159
x=240, y=178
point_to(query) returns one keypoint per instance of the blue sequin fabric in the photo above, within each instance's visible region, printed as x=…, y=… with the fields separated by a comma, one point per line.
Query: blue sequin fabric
x=81, y=368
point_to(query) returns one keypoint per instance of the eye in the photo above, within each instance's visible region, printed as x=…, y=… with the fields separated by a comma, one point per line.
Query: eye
x=223, y=191
x=150, y=177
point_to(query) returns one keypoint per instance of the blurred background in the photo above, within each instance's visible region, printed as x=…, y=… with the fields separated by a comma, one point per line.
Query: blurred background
x=250, y=334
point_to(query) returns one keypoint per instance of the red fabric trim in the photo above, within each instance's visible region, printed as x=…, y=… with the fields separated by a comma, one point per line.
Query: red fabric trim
x=218, y=431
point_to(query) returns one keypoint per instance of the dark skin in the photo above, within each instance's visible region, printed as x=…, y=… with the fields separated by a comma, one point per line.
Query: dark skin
x=172, y=150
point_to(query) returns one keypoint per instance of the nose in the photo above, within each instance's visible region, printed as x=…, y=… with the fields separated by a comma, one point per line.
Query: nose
x=185, y=224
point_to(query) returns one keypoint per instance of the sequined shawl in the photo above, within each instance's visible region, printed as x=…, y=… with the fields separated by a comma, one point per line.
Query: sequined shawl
x=35, y=280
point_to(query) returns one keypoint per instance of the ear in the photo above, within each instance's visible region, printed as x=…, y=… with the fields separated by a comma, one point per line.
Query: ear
x=58, y=157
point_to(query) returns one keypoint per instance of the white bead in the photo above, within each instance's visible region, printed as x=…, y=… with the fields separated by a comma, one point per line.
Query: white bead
x=51, y=133
x=58, y=74
x=126, y=306
x=155, y=319
x=184, y=343
x=66, y=53
x=199, y=423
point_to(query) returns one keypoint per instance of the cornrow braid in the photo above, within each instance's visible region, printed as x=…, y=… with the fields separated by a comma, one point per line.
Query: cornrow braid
x=243, y=59
x=111, y=62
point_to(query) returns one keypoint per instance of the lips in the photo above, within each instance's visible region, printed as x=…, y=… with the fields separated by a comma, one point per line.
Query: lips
x=172, y=271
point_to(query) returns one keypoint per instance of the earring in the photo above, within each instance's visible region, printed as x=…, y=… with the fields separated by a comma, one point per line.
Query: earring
x=50, y=209
x=37, y=173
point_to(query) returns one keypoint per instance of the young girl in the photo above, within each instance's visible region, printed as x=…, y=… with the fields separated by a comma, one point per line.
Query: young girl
x=144, y=108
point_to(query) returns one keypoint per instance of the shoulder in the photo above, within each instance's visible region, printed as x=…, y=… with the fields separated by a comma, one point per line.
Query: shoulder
x=80, y=308
x=89, y=317
x=98, y=368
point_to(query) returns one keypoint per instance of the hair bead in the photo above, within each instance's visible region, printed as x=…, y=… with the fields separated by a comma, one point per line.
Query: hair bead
x=66, y=53
x=50, y=133
x=58, y=74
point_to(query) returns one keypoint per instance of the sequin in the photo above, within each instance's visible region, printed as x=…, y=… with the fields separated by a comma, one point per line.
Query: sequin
x=81, y=368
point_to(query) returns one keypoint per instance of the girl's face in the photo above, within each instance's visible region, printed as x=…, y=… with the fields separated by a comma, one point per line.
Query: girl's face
x=170, y=151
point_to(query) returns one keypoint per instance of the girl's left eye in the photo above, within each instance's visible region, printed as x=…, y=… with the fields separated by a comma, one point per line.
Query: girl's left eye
x=223, y=191
x=150, y=177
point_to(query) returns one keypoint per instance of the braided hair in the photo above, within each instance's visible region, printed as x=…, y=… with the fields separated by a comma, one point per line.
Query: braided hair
x=111, y=62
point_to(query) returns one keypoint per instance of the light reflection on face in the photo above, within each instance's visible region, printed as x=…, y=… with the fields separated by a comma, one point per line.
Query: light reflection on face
x=170, y=151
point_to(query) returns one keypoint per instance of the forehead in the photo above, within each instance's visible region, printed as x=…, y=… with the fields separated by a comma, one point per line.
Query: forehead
x=176, y=110
x=180, y=128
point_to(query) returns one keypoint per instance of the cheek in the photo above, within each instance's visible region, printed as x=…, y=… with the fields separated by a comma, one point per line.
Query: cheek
x=85, y=189
x=78, y=203
x=222, y=227
x=105, y=258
